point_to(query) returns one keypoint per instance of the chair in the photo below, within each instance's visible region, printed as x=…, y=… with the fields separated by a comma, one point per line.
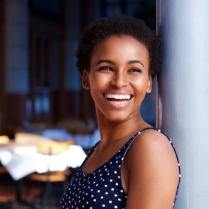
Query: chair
x=4, y=139
x=7, y=196
x=54, y=147
x=32, y=138
x=49, y=177
x=74, y=125
x=7, y=192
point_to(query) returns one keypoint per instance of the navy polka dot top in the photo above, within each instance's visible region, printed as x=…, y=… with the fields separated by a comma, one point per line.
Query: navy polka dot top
x=103, y=187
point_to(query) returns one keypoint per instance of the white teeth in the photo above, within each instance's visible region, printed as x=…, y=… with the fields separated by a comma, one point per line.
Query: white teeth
x=117, y=96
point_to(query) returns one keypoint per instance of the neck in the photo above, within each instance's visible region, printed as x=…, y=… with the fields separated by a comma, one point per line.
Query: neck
x=113, y=131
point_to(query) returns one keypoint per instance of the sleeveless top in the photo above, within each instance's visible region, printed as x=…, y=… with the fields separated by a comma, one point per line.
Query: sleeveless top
x=103, y=187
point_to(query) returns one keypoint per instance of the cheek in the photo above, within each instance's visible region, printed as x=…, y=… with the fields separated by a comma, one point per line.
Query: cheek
x=95, y=87
x=140, y=83
x=98, y=81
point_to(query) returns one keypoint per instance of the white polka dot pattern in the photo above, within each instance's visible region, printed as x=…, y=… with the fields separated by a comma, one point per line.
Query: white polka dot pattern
x=101, y=188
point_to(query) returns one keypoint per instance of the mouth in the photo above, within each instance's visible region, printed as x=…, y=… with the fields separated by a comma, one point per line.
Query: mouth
x=118, y=97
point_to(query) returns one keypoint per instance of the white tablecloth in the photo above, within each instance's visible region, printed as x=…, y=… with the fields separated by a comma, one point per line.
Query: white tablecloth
x=23, y=160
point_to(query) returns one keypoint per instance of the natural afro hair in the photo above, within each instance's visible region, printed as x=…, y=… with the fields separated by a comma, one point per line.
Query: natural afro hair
x=118, y=25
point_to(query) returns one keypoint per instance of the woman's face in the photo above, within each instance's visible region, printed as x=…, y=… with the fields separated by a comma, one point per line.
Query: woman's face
x=118, y=78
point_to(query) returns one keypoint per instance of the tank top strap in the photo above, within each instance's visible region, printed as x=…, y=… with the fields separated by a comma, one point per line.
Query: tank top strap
x=89, y=154
x=165, y=134
x=126, y=147
x=147, y=129
x=128, y=144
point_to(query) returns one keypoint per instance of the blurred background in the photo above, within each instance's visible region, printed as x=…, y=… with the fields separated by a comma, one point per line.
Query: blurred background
x=40, y=85
x=46, y=116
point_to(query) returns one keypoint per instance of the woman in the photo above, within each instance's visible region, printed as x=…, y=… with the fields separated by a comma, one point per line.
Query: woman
x=134, y=166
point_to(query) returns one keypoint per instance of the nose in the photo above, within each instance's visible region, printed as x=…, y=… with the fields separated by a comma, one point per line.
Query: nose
x=119, y=80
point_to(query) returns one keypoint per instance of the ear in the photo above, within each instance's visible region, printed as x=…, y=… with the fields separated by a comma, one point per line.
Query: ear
x=85, y=80
x=149, y=85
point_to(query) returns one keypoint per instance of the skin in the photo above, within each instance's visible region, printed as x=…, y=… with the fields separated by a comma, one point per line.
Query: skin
x=120, y=65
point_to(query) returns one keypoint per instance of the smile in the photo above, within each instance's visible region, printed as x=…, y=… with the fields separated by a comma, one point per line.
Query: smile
x=118, y=97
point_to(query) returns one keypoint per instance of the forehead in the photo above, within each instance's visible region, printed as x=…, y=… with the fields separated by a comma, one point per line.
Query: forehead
x=124, y=47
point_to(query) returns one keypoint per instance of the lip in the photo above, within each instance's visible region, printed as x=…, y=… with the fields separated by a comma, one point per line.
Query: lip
x=122, y=92
x=118, y=104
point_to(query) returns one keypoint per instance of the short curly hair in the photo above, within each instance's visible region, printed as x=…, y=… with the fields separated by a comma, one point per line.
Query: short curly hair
x=118, y=25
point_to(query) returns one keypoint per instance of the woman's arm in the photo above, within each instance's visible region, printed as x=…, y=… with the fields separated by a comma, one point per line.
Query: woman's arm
x=152, y=172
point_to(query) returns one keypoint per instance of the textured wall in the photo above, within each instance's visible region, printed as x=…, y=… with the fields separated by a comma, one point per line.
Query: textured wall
x=183, y=98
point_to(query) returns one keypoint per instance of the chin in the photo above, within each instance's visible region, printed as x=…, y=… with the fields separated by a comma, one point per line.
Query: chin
x=117, y=118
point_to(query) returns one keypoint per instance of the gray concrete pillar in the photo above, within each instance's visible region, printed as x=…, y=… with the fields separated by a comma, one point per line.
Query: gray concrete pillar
x=183, y=96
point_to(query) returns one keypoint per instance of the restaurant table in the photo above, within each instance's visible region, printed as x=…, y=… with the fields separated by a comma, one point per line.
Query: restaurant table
x=22, y=159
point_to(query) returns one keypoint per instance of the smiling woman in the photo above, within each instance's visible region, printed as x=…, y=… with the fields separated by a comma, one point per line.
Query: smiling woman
x=118, y=67
x=134, y=165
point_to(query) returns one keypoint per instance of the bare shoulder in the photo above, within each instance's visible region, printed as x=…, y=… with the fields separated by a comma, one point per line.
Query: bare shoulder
x=153, y=171
x=152, y=143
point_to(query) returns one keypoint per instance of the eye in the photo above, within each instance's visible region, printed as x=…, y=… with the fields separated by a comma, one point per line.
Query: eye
x=135, y=70
x=107, y=68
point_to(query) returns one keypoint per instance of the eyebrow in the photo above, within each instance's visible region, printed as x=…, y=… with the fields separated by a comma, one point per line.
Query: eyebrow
x=113, y=63
x=136, y=61
x=106, y=61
